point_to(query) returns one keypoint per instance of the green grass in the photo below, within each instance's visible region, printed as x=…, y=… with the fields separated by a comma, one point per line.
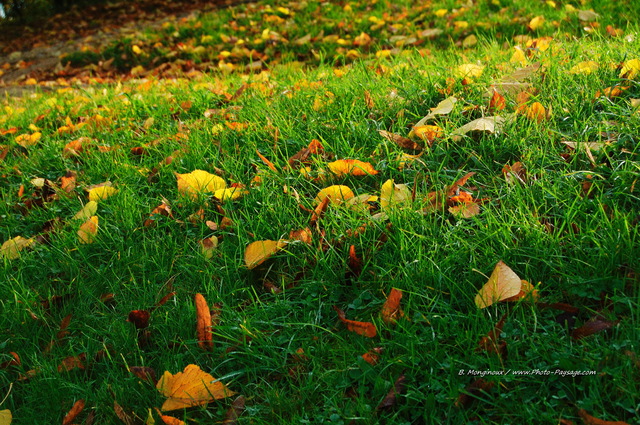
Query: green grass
x=576, y=248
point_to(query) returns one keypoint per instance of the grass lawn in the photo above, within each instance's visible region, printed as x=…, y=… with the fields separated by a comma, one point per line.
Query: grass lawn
x=463, y=147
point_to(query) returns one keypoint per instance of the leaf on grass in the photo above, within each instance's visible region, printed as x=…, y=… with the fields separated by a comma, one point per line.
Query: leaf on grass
x=89, y=209
x=145, y=373
x=491, y=342
x=391, y=310
x=587, y=15
x=139, y=318
x=630, y=69
x=88, y=230
x=428, y=133
x=266, y=161
x=76, y=409
x=303, y=235
x=5, y=417
x=234, y=412
x=373, y=356
x=258, y=252
x=594, y=325
x=442, y=108
x=502, y=284
x=584, y=68
x=198, y=182
x=11, y=249
x=403, y=142
x=161, y=210
x=229, y=194
x=122, y=414
x=203, y=323
x=367, y=329
x=208, y=246
x=590, y=420
x=391, y=398
x=536, y=23
x=27, y=140
x=472, y=391
x=352, y=167
x=72, y=362
x=469, y=70
x=336, y=194
x=99, y=193
x=392, y=194
x=170, y=420
x=354, y=264
x=192, y=387
x=497, y=102
x=491, y=125
x=15, y=361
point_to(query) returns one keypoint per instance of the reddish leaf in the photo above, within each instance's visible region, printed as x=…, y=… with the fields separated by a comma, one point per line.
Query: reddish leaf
x=72, y=362
x=594, y=325
x=453, y=189
x=203, y=323
x=367, y=329
x=76, y=409
x=145, y=373
x=140, y=318
x=590, y=420
x=392, y=397
x=491, y=343
x=266, y=161
x=497, y=102
x=234, y=412
x=13, y=362
x=122, y=415
x=373, y=356
x=391, y=308
x=161, y=210
x=401, y=141
x=354, y=264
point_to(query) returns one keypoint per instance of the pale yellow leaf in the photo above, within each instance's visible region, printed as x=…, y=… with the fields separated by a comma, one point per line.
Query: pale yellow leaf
x=469, y=70
x=392, y=194
x=536, y=23
x=87, y=211
x=502, y=284
x=584, y=68
x=5, y=417
x=199, y=182
x=630, y=69
x=102, y=192
x=11, y=249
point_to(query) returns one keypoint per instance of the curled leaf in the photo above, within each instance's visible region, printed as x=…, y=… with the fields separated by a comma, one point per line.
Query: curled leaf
x=391, y=310
x=392, y=194
x=502, y=284
x=258, y=252
x=203, y=323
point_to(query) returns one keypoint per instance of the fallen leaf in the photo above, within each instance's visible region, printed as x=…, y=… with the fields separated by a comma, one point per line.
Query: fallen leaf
x=502, y=284
x=89, y=209
x=5, y=417
x=391, y=310
x=229, y=194
x=15, y=361
x=234, y=412
x=192, y=387
x=145, y=373
x=373, y=356
x=303, y=235
x=590, y=420
x=584, y=68
x=11, y=249
x=536, y=23
x=367, y=329
x=428, y=133
x=258, y=252
x=491, y=342
x=491, y=125
x=88, y=230
x=76, y=409
x=336, y=194
x=139, y=318
x=170, y=420
x=198, y=182
x=27, y=140
x=630, y=69
x=403, y=142
x=391, y=398
x=203, y=323
x=442, y=108
x=594, y=325
x=122, y=414
x=472, y=391
x=392, y=194
x=102, y=192
x=72, y=362
x=208, y=246
x=587, y=15
x=352, y=167
x=354, y=264
x=497, y=102
x=469, y=70
x=267, y=162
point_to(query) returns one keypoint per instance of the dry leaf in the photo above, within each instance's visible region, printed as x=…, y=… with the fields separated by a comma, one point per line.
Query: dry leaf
x=392, y=396
x=258, y=252
x=198, y=182
x=392, y=194
x=594, y=325
x=208, y=246
x=443, y=108
x=491, y=342
x=5, y=417
x=428, y=133
x=303, y=235
x=11, y=249
x=403, y=142
x=590, y=420
x=145, y=373
x=76, y=409
x=161, y=210
x=502, y=284
x=234, y=412
x=367, y=329
x=229, y=194
x=170, y=420
x=465, y=210
x=352, y=167
x=192, y=387
x=373, y=356
x=391, y=310
x=89, y=209
x=203, y=323
x=140, y=318
x=336, y=194
x=102, y=192
x=491, y=125
x=497, y=102
x=630, y=69
x=27, y=140
x=88, y=230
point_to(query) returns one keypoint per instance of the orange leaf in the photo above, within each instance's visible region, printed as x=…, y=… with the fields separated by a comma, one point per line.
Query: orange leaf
x=352, y=167
x=161, y=210
x=170, y=420
x=203, y=323
x=76, y=409
x=391, y=311
x=192, y=387
x=303, y=235
x=403, y=142
x=502, y=284
x=315, y=147
x=590, y=420
x=428, y=133
x=266, y=161
x=497, y=102
x=258, y=252
x=88, y=230
x=372, y=356
x=367, y=329
x=336, y=193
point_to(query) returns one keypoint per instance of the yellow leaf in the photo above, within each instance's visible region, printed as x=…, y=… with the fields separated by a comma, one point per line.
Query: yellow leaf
x=440, y=12
x=229, y=194
x=351, y=167
x=518, y=57
x=630, y=69
x=394, y=194
x=87, y=211
x=88, y=230
x=502, y=284
x=192, y=387
x=470, y=70
x=198, y=182
x=5, y=417
x=258, y=252
x=336, y=194
x=208, y=246
x=585, y=68
x=428, y=133
x=536, y=23
x=11, y=249
x=26, y=140
x=101, y=192
x=137, y=50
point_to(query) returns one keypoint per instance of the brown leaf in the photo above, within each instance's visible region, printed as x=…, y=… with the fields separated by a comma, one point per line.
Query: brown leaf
x=497, y=102
x=515, y=173
x=594, y=325
x=491, y=342
x=453, y=189
x=234, y=412
x=354, y=263
x=590, y=420
x=122, y=415
x=145, y=373
x=391, y=310
x=472, y=391
x=267, y=162
x=140, y=318
x=373, y=356
x=161, y=210
x=303, y=235
x=72, y=362
x=391, y=398
x=318, y=212
x=203, y=323
x=367, y=329
x=403, y=142
x=13, y=362
x=76, y=409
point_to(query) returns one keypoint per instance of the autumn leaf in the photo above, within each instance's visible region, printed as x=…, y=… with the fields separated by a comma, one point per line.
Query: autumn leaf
x=590, y=420
x=491, y=343
x=594, y=325
x=391, y=310
x=101, y=192
x=584, y=68
x=497, y=102
x=258, y=252
x=392, y=194
x=502, y=284
x=391, y=398
x=88, y=230
x=161, y=210
x=428, y=133
x=472, y=392
x=198, y=182
x=76, y=409
x=11, y=249
x=630, y=69
x=351, y=167
x=469, y=70
x=229, y=194
x=367, y=329
x=89, y=209
x=208, y=246
x=189, y=388
x=403, y=142
x=303, y=235
x=203, y=323
x=372, y=356
x=28, y=140
x=442, y=108
x=170, y=420
x=491, y=125
x=336, y=194
x=5, y=417
x=140, y=318
x=536, y=23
